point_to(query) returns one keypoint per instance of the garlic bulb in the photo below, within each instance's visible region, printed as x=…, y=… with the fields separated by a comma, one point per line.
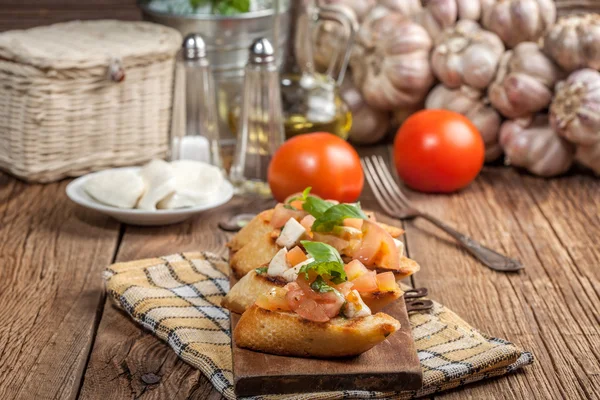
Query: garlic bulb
x=531, y=143
x=517, y=21
x=404, y=7
x=574, y=42
x=589, y=156
x=470, y=103
x=390, y=62
x=575, y=110
x=368, y=124
x=524, y=81
x=441, y=14
x=360, y=7
x=466, y=55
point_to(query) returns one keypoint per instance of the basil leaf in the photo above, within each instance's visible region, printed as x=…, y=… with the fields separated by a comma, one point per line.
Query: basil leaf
x=335, y=216
x=322, y=252
x=320, y=286
x=303, y=197
x=315, y=206
x=261, y=270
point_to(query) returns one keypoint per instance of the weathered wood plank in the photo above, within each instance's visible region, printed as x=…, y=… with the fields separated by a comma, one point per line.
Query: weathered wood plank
x=550, y=308
x=51, y=256
x=124, y=355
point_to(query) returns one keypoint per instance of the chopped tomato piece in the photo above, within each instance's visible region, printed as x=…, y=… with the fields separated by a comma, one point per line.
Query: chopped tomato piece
x=344, y=288
x=354, y=222
x=281, y=215
x=366, y=283
x=274, y=300
x=354, y=269
x=312, y=311
x=334, y=241
x=295, y=256
x=386, y=282
x=377, y=248
x=297, y=204
x=307, y=222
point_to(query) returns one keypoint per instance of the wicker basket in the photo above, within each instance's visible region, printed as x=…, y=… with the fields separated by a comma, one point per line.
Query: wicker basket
x=65, y=109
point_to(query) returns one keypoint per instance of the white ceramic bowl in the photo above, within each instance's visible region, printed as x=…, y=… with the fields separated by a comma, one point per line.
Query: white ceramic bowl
x=76, y=192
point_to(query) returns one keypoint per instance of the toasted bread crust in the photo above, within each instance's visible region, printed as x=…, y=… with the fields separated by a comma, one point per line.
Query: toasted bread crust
x=287, y=333
x=258, y=226
x=245, y=292
x=258, y=252
x=407, y=268
x=394, y=232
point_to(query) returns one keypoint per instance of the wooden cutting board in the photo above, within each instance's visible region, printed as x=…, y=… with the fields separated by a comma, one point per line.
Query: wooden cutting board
x=391, y=365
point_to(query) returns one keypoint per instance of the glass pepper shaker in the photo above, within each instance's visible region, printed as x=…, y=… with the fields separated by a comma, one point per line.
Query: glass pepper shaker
x=260, y=128
x=198, y=138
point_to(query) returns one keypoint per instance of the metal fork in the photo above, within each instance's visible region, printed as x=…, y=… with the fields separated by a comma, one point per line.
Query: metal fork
x=396, y=205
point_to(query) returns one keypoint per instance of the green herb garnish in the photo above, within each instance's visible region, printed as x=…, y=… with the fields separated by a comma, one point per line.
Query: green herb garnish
x=261, y=270
x=320, y=286
x=335, y=216
x=315, y=206
x=328, y=262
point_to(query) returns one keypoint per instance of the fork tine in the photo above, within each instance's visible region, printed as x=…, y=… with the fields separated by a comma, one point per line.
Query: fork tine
x=366, y=164
x=386, y=175
x=387, y=194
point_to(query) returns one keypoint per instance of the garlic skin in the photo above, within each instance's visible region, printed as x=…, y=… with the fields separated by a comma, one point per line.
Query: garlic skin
x=441, y=14
x=471, y=103
x=404, y=7
x=574, y=42
x=589, y=156
x=517, y=21
x=360, y=7
x=390, y=62
x=524, y=81
x=466, y=55
x=575, y=110
x=531, y=143
x=368, y=124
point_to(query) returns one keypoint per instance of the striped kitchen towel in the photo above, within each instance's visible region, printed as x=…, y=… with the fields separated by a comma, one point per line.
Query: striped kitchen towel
x=178, y=298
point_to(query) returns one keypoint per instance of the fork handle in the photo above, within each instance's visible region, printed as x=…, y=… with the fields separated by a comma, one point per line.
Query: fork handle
x=487, y=256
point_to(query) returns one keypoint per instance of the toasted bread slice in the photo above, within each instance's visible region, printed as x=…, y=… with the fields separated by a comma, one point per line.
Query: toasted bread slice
x=258, y=226
x=286, y=333
x=245, y=292
x=258, y=252
x=407, y=268
x=376, y=301
x=394, y=232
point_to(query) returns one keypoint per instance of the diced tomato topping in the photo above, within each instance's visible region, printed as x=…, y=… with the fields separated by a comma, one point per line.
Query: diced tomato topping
x=274, y=300
x=354, y=269
x=377, y=248
x=344, y=288
x=354, y=222
x=312, y=311
x=334, y=241
x=295, y=256
x=366, y=283
x=386, y=282
x=307, y=222
x=281, y=215
x=297, y=204
x=318, y=307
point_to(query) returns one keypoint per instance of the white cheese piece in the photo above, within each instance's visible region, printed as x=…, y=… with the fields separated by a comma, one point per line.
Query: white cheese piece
x=195, y=183
x=159, y=178
x=291, y=234
x=292, y=274
x=116, y=188
x=278, y=264
x=355, y=307
x=399, y=246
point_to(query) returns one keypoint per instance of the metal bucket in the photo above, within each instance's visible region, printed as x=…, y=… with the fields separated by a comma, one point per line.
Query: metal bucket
x=227, y=41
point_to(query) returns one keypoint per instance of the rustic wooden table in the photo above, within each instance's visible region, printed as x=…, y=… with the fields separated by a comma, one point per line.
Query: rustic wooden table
x=60, y=339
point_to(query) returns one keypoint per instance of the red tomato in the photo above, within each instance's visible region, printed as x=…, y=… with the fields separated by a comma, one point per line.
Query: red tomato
x=366, y=283
x=377, y=248
x=321, y=160
x=438, y=151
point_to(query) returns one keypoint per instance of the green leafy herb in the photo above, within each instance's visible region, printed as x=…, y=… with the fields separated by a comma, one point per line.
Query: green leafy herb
x=320, y=286
x=315, y=206
x=335, y=216
x=261, y=270
x=328, y=262
x=303, y=197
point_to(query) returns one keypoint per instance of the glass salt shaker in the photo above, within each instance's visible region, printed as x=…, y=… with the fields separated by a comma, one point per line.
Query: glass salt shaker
x=198, y=137
x=260, y=128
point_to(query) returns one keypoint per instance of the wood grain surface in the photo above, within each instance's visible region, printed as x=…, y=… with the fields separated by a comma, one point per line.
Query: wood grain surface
x=52, y=253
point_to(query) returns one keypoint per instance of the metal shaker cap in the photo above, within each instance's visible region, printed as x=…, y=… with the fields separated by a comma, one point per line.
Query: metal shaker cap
x=193, y=47
x=261, y=52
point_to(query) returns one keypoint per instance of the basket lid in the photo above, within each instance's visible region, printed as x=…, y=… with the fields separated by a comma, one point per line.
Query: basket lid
x=88, y=44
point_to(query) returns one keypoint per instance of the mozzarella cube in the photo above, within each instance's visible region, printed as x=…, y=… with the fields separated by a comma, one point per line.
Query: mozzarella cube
x=399, y=246
x=292, y=274
x=355, y=307
x=278, y=264
x=291, y=234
